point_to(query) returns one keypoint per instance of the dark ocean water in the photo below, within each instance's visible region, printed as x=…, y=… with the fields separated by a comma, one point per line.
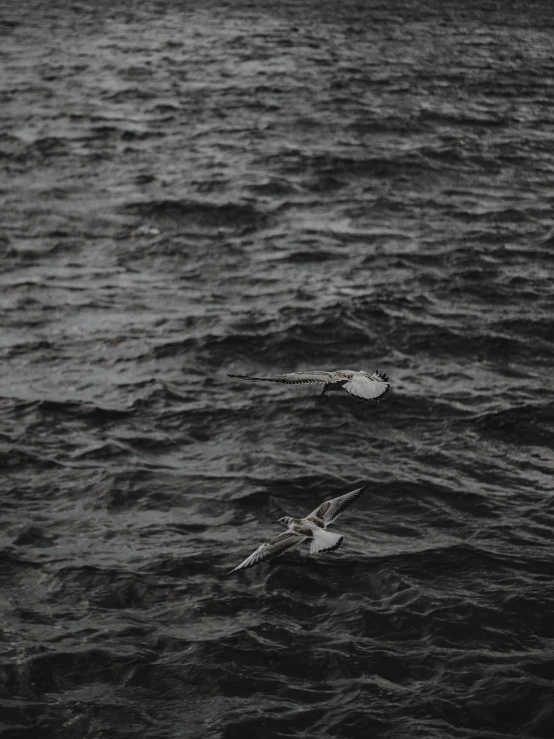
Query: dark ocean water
x=189, y=189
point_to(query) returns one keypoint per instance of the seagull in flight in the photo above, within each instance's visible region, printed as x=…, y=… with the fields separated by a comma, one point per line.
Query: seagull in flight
x=313, y=527
x=360, y=384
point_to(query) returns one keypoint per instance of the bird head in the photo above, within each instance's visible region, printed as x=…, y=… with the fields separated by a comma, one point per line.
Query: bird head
x=284, y=520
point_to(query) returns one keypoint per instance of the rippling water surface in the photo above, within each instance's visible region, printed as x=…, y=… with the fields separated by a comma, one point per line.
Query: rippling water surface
x=190, y=189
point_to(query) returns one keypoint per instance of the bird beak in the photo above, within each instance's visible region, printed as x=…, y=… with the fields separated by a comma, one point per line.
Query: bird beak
x=276, y=521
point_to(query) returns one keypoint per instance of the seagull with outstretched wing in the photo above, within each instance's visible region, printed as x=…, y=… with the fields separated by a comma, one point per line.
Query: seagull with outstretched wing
x=312, y=527
x=360, y=384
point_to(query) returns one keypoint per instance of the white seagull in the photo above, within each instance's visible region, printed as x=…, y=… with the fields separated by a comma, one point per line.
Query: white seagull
x=358, y=383
x=312, y=527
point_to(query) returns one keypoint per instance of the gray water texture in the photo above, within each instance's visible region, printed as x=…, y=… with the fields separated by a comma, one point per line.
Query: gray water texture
x=193, y=189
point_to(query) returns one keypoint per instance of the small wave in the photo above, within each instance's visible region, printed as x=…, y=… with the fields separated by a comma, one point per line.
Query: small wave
x=208, y=216
x=524, y=426
x=316, y=256
x=89, y=411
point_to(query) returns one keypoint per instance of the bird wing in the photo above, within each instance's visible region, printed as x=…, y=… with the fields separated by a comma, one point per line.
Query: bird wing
x=371, y=389
x=331, y=509
x=270, y=549
x=292, y=378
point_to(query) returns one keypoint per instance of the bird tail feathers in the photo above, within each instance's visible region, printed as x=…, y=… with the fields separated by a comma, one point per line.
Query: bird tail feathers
x=325, y=541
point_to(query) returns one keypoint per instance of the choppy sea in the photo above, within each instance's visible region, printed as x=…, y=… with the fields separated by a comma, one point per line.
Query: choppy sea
x=191, y=189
